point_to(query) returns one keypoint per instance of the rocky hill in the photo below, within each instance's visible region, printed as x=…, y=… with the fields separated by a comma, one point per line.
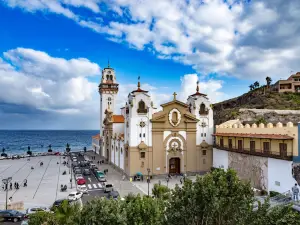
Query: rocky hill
x=259, y=99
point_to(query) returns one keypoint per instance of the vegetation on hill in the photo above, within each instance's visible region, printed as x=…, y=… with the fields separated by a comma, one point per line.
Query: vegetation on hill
x=259, y=98
x=218, y=198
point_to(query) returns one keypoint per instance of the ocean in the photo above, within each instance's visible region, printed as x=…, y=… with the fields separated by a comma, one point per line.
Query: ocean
x=17, y=141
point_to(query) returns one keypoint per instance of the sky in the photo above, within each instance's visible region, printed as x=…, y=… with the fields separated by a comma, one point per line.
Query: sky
x=52, y=53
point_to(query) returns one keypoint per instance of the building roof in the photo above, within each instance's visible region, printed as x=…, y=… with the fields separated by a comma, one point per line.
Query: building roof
x=139, y=88
x=97, y=136
x=262, y=136
x=118, y=119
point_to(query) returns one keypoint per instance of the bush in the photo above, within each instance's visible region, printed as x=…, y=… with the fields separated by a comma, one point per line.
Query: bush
x=161, y=191
x=274, y=193
x=263, y=192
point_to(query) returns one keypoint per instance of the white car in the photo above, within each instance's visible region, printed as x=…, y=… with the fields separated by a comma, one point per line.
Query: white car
x=37, y=209
x=77, y=176
x=82, y=188
x=73, y=196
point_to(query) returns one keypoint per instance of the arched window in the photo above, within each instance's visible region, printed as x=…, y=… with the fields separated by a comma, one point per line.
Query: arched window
x=175, y=117
x=107, y=77
x=111, y=77
x=121, y=150
x=142, y=107
x=109, y=100
x=202, y=109
x=190, y=107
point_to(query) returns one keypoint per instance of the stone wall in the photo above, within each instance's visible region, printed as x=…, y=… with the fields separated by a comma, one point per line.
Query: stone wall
x=250, y=168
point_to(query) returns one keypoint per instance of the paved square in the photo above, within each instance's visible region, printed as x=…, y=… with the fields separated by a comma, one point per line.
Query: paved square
x=43, y=181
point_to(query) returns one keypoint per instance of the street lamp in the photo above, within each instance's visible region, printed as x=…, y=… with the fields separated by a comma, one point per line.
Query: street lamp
x=148, y=179
x=167, y=179
x=6, y=182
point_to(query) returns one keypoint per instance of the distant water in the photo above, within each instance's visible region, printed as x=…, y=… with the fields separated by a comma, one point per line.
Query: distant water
x=16, y=142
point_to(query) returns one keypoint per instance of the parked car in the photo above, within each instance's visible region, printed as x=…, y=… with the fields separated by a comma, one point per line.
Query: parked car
x=101, y=178
x=99, y=173
x=75, y=164
x=92, y=166
x=78, y=176
x=82, y=188
x=37, y=209
x=75, y=195
x=108, y=188
x=58, y=202
x=77, y=171
x=81, y=181
x=76, y=168
x=12, y=215
x=113, y=194
x=86, y=172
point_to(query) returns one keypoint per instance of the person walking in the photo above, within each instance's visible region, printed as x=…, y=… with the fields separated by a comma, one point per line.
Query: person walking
x=10, y=186
x=295, y=191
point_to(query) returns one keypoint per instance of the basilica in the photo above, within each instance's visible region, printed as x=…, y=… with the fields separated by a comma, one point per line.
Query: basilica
x=142, y=139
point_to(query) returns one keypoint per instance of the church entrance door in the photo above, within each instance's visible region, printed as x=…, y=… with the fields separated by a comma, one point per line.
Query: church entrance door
x=174, y=166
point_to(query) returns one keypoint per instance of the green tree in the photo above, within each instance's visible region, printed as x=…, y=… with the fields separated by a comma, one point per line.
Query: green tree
x=251, y=86
x=84, y=149
x=102, y=211
x=144, y=210
x=161, y=191
x=256, y=84
x=214, y=199
x=39, y=218
x=66, y=212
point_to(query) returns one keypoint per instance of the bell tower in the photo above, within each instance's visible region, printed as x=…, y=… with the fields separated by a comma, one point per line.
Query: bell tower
x=108, y=90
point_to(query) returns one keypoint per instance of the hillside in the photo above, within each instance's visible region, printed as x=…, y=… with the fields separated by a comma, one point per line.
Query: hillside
x=261, y=98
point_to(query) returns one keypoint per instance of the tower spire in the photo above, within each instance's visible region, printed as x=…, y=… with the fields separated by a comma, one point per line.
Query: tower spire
x=197, y=89
x=139, y=83
x=108, y=63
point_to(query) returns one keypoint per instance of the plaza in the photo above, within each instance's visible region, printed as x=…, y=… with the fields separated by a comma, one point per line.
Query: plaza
x=43, y=182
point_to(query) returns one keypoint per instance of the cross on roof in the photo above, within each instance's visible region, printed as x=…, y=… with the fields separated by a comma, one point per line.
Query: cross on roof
x=174, y=95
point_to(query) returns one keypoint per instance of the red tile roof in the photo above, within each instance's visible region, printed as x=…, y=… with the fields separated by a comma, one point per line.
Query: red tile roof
x=118, y=119
x=264, y=136
x=198, y=94
x=97, y=136
x=139, y=90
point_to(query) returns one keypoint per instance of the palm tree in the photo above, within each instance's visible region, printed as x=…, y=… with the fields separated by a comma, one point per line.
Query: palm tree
x=28, y=151
x=65, y=212
x=256, y=84
x=68, y=149
x=3, y=153
x=84, y=149
x=251, y=87
x=269, y=80
x=50, y=148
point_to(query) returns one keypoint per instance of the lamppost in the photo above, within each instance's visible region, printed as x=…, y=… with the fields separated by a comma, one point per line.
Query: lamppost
x=148, y=180
x=167, y=179
x=6, y=182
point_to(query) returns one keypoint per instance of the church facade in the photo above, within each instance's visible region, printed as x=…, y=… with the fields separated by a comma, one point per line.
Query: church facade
x=176, y=139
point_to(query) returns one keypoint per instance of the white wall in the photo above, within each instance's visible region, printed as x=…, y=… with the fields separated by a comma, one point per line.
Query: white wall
x=118, y=128
x=196, y=101
x=122, y=155
x=134, y=130
x=220, y=159
x=280, y=177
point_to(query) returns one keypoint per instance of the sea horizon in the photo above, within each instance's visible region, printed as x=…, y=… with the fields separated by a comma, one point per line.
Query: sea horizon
x=17, y=141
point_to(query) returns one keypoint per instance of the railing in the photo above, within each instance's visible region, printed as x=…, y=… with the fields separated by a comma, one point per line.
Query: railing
x=257, y=152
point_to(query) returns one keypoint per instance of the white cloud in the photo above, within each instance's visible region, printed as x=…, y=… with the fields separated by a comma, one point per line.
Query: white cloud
x=36, y=80
x=209, y=35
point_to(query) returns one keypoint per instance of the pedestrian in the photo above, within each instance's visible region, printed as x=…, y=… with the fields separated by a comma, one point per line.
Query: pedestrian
x=10, y=186
x=17, y=185
x=180, y=180
x=295, y=191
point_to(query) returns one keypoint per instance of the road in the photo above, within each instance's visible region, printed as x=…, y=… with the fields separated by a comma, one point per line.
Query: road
x=94, y=187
